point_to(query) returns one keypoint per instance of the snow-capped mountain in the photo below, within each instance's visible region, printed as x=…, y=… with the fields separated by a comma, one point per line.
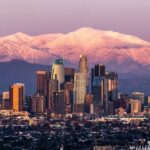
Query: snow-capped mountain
x=120, y=52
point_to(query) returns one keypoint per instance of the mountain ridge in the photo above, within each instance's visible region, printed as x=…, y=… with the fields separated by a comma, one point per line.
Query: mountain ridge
x=120, y=52
x=24, y=72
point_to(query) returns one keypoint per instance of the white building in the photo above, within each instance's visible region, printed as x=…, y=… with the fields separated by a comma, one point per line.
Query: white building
x=58, y=71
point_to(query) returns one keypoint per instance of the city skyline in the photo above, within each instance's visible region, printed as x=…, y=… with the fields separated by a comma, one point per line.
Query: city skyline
x=74, y=75
x=71, y=101
x=37, y=17
x=63, y=90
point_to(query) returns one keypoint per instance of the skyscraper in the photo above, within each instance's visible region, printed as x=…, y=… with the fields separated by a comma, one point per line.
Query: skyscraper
x=58, y=72
x=17, y=96
x=6, y=103
x=135, y=106
x=38, y=104
x=83, y=65
x=138, y=95
x=59, y=102
x=88, y=106
x=80, y=88
x=99, y=89
x=81, y=84
x=112, y=78
x=99, y=70
x=83, y=69
x=52, y=87
x=41, y=81
x=104, y=87
x=69, y=74
x=100, y=95
x=68, y=90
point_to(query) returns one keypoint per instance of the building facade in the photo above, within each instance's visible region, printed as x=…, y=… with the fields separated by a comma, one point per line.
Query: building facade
x=41, y=81
x=6, y=103
x=38, y=104
x=58, y=72
x=104, y=87
x=81, y=84
x=17, y=96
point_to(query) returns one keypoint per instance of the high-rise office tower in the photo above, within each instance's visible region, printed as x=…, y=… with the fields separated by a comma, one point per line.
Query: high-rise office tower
x=121, y=101
x=58, y=72
x=46, y=89
x=69, y=86
x=138, y=95
x=41, y=81
x=68, y=90
x=80, y=90
x=100, y=94
x=33, y=104
x=99, y=88
x=83, y=68
x=104, y=87
x=17, y=96
x=88, y=106
x=6, y=103
x=28, y=103
x=135, y=106
x=52, y=87
x=81, y=84
x=83, y=64
x=59, y=102
x=112, y=78
x=38, y=104
x=69, y=74
x=99, y=70
x=110, y=109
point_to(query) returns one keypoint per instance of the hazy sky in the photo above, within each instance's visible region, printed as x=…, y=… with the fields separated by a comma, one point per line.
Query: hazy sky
x=52, y=16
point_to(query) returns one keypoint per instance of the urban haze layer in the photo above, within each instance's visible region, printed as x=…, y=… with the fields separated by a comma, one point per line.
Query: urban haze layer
x=74, y=110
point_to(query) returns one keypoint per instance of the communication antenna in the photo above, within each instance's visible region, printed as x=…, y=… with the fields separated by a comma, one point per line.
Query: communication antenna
x=62, y=56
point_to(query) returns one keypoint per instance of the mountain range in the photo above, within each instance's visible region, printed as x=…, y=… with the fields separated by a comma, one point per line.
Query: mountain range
x=126, y=54
x=22, y=71
x=119, y=52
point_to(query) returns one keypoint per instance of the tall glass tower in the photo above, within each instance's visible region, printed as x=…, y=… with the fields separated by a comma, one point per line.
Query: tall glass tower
x=83, y=64
x=58, y=72
x=81, y=84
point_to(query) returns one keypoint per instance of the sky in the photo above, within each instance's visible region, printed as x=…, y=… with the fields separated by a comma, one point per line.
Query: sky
x=62, y=16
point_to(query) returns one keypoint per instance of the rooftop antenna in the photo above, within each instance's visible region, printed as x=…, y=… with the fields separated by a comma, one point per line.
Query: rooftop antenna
x=63, y=55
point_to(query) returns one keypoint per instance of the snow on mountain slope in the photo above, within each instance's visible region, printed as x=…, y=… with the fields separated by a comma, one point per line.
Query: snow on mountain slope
x=124, y=53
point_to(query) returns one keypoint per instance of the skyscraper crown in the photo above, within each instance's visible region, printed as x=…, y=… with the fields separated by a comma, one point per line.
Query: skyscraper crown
x=59, y=61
